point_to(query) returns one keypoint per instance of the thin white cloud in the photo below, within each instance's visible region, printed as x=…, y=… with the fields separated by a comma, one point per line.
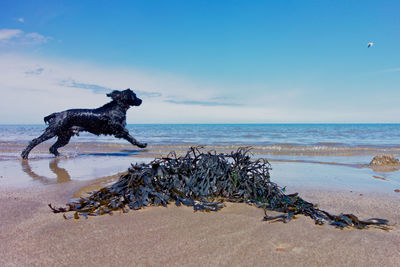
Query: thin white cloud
x=17, y=36
x=21, y=20
x=7, y=34
x=36, y=71
x=102, y=89
x=32, y=88
x=202, y=103
x=36, y=38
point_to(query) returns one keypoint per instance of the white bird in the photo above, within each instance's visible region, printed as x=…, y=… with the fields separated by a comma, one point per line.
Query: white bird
x=370, y=44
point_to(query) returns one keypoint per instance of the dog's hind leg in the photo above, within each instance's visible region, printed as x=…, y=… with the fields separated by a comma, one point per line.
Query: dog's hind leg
x=45, y=136
x=61, y=141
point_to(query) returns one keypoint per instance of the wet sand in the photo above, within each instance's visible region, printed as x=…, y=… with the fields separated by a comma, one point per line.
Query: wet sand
x=32, y=235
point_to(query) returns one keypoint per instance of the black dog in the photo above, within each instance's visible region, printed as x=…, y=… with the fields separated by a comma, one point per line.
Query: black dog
x=108, y=119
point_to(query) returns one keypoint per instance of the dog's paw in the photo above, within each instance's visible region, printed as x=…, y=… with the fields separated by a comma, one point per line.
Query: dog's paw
x=24, y=155
x=141, y=145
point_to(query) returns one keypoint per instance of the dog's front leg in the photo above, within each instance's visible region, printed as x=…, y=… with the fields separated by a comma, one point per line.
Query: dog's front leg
x=125, y=134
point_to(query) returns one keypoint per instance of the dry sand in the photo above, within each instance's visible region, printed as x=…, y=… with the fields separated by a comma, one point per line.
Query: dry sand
x=31, y=235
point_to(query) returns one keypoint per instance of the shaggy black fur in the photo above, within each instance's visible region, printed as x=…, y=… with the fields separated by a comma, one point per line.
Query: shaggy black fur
x=108, y=119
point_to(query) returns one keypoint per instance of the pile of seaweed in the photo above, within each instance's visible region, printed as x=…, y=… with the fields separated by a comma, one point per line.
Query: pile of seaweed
x=204, y=180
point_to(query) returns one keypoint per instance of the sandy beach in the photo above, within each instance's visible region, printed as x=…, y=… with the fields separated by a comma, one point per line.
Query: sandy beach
x=32, y=235
x=110, y=109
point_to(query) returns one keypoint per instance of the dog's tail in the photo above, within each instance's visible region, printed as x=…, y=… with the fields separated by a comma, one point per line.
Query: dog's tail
x=47, y=119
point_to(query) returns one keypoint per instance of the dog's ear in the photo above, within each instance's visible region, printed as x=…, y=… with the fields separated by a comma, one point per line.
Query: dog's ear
x=127, y=91
x=114, y=94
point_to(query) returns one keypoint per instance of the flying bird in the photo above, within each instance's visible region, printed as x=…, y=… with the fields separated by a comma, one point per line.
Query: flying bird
x=370, y=44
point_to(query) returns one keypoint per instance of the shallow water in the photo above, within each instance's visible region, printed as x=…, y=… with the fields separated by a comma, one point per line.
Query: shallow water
x=83, y=162
x=38, y=172
x=314, y=155
x=334, y=177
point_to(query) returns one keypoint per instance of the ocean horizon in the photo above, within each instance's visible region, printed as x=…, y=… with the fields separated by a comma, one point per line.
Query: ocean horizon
x=296, y=134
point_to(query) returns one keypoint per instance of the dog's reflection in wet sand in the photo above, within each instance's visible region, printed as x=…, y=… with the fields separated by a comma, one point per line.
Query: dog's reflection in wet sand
x=61, y=173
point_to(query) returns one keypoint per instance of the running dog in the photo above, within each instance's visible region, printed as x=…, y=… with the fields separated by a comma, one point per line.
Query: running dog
x=109, y=119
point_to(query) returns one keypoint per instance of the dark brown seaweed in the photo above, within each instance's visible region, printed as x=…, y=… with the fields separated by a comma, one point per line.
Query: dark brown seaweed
x=204, y=180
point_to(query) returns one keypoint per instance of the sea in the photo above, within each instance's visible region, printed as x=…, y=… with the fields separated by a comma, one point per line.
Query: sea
x=315, y=136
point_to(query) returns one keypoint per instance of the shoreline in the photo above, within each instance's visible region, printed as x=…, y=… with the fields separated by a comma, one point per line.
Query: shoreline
x=358, y=156
x=318, y=149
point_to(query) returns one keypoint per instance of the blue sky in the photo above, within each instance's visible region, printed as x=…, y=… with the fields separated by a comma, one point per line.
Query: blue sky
x=203, y=61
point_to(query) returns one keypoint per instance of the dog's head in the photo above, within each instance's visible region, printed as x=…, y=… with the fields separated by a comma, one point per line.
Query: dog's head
x=127, y=97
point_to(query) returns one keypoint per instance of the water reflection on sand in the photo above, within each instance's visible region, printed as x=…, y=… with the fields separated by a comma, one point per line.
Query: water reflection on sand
x=61, y=173
x=90, y=161
x=26, y=173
